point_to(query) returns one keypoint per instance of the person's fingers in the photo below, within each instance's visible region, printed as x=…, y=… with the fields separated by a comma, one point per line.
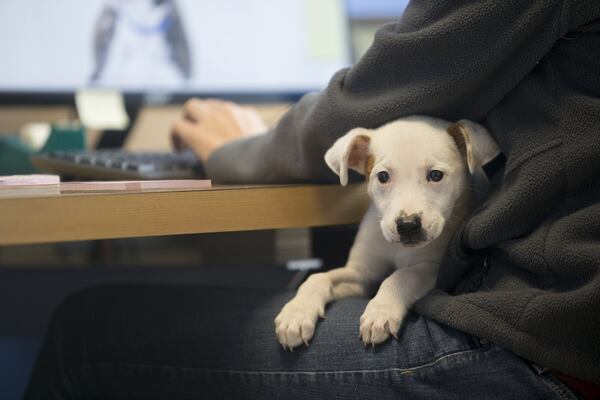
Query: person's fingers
x=181, y=133
x=193, y=109
x=208, y=124
x=176, y=142
x=213, y=111
x=252, y=121
x=224, y=115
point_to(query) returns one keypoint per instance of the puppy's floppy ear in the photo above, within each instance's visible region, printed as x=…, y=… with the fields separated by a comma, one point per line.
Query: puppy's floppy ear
x=475, y=143
x=349, y=151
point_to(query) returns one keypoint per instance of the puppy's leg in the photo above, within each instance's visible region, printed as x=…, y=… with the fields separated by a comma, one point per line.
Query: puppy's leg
x=296, y=322
x=347, y=289
x=396, y=295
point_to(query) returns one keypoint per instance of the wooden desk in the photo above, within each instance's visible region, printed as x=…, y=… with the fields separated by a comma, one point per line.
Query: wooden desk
x=220, y=209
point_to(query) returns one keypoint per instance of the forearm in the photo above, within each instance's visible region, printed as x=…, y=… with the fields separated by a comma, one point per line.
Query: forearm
x=449, y=59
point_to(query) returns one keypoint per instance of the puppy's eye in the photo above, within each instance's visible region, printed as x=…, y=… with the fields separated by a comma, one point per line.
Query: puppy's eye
x=383, y=176
x=435, y=175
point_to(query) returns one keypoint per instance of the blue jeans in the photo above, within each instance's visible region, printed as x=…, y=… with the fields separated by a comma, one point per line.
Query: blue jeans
x=182, y=342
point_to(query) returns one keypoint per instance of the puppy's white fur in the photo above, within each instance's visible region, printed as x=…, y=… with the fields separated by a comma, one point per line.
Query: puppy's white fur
x=407, y=149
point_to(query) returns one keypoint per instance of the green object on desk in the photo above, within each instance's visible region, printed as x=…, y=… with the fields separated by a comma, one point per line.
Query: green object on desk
x=14, y=154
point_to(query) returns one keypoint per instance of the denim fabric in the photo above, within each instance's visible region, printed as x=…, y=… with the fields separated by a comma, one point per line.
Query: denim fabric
x=178, y=342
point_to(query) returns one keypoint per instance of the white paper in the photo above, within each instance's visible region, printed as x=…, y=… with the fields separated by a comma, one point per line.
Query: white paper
x=35, y=134
x=29, y=180
x=101, y=109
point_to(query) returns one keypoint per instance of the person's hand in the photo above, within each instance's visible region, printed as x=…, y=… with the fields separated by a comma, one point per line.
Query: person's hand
x=207, y=125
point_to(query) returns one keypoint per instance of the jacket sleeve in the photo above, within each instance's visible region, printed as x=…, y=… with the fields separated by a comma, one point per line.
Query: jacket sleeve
x=450, y=59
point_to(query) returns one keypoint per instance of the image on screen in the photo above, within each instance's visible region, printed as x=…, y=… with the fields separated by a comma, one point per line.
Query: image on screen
x=182, y=46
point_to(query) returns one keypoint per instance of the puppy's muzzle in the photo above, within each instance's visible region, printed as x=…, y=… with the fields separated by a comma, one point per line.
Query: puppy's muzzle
x=410, y=229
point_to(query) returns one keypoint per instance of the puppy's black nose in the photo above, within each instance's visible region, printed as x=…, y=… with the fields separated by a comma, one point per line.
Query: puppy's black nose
x=408, y=225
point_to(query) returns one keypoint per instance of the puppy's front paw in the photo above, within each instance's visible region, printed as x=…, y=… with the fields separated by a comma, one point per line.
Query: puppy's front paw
x=380, y=320
x=296, y=322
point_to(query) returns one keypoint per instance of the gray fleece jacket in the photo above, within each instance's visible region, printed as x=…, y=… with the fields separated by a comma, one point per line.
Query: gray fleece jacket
x=524, y=270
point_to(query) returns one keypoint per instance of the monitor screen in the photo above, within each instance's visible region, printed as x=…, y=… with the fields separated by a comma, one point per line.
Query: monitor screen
x=175, y=46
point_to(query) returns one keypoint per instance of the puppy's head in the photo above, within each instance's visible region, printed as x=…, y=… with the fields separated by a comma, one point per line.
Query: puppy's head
x=416, y=169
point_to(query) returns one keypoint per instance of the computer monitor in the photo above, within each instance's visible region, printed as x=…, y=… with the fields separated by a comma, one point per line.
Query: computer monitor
x=163, y=49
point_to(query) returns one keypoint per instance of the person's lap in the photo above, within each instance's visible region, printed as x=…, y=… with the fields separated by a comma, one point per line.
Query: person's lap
x=176, y=342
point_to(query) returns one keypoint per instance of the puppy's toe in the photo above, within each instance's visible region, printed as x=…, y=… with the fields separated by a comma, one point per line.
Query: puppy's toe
x=394, y=327
x=379, y=332
x=296, y=323
x=280, y=331
x=365, y=332
x=307, y=330
x=293, y=335
x=373, y=331
x=379, y=321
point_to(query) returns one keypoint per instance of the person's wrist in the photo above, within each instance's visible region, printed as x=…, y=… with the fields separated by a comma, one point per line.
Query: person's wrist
x=206, y=149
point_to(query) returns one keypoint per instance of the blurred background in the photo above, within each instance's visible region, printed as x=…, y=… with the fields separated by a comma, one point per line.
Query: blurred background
x=155, y=54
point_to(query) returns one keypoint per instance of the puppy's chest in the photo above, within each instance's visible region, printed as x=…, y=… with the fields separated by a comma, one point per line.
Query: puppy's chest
x=407, y=257
x=402, y=257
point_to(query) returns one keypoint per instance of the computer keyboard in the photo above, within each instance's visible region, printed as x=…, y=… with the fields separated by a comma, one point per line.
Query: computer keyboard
x=120, y=165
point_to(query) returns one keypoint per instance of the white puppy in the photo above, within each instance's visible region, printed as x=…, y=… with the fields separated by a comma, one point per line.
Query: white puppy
x=419, y=172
